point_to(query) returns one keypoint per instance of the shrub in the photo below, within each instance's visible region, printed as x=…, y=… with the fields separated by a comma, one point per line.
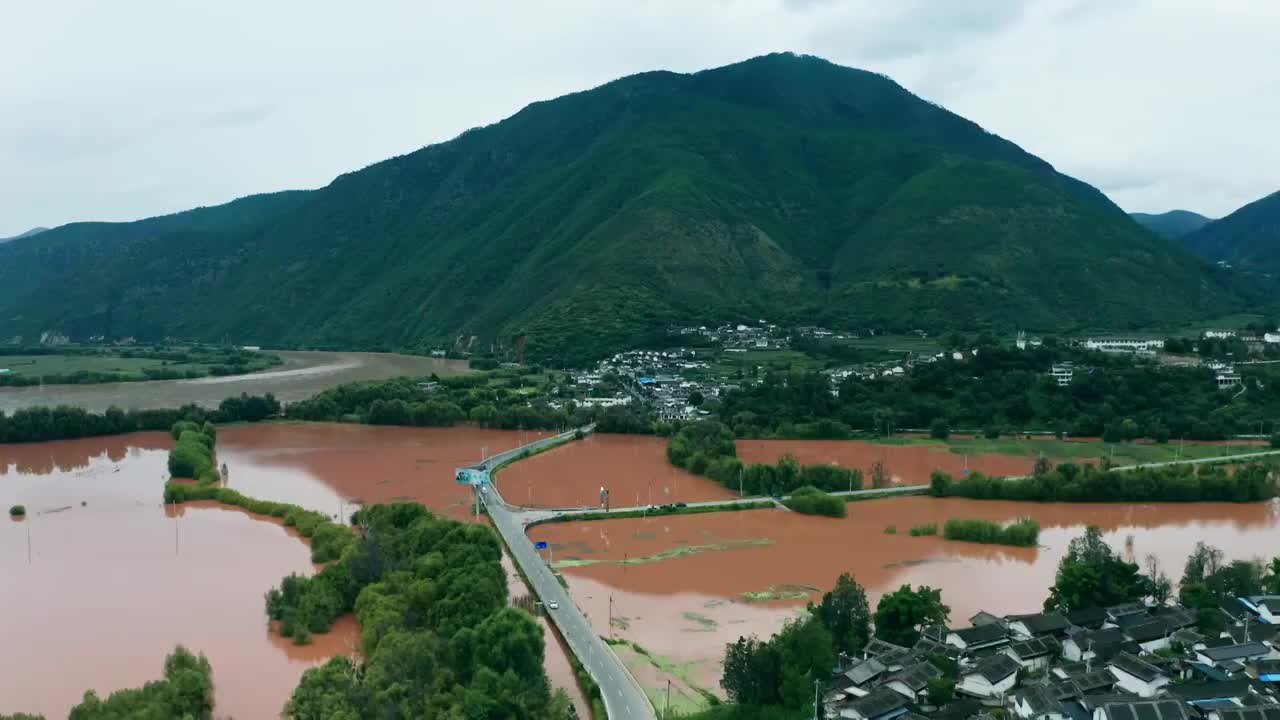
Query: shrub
x=939, y=429
x=1023, y=532
x=891, y=529
x=17, y=511
x=812, y=501
x=925, y=529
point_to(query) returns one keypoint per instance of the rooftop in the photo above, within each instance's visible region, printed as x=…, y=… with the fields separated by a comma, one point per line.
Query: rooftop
x=1034, y=648
x=1043, y=623
x=995, y=668
x=916, y=677
x=1147, y=710
x=1136, y=667
x=1236, y=652
x=981, y=634
x=881, y=701
x=1252, y=713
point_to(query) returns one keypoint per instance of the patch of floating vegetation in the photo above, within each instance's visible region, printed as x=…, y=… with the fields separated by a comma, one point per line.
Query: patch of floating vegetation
x=780, y=592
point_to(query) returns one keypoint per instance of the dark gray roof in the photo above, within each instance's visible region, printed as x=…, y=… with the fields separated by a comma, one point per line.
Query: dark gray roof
x=1177, y=617
x=879, y=647
x=865, y=671
x=1234, y=688
x=1270, y=602
x=881, y=701
x=1034, y=648
x=1233, y=607
x=1147, y=631
x=1187, y=636
x=1132, y=619
x=982, y=635
x=915, y=677
x=1122, y=609
x=1044, y=623
x=1256, y=631
x=1136, y=667
x=1087, y=617
x=1105, y=636
x=1267, y=667
x=926, y=646
x=1039, y=698
x=1236, y=652
x=1265, y=712
x=1086, y=683
x=994, y=668
x=1147, y=710
x=982, y=617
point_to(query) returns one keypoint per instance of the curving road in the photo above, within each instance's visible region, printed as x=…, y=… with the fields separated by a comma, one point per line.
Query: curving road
x=623, y=697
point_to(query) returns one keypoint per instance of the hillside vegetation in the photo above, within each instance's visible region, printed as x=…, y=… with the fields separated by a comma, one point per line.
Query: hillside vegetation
x=783, y=187
x=1248, y=238
x=1173, y=224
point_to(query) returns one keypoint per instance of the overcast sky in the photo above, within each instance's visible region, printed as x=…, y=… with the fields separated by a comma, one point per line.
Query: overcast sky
x=121, y=110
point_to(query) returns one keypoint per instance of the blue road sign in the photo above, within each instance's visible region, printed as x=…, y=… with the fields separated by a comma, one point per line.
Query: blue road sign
x=540, y=545
x=467, y=476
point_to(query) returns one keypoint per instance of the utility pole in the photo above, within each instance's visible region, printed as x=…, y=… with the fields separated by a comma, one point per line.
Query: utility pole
x=610, y=615
x=816, y=684
x=666, y=712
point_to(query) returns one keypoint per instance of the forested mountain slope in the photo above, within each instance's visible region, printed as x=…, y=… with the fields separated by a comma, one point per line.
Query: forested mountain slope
x=782, y=187
x=1173, y=224
x=1248, y=238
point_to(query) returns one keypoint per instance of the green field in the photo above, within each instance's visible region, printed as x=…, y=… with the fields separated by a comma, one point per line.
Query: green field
x=1124, y=453
x=91, y=365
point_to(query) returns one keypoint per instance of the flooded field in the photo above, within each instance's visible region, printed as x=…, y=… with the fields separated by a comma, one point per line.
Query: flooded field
x=101, y=581
x=909, y=464
x=327, y=467
x=303, y=374
x=633, y=468
x=683, y=586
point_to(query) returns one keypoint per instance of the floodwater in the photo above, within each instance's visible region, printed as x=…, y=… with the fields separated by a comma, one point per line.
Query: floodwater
x=327, y=467
x=101, y=581
x=689, y=584
x=908, y=464
x=633, y=468
x=303, y=374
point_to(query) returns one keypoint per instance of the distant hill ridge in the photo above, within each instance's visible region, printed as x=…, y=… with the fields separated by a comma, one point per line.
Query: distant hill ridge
x=1248, y=238
x=784, y=187
x=29, y=233
x=1173, y=224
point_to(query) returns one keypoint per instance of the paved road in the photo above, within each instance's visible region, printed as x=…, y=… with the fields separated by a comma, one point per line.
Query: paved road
x=623, y=697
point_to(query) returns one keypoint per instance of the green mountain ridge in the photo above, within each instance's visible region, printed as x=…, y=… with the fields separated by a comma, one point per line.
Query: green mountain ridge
x=29, y=233
x=1248, y=238
x=784, y=187
x=1173, y=224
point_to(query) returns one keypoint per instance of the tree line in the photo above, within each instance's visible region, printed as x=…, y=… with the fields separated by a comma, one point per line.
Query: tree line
x=1002, y=390
x=192, y=454
x=708, y=448
x=1070, y=482
x=38, y=424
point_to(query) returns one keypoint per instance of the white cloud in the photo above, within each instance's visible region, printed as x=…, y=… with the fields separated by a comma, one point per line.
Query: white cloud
x=122, y=110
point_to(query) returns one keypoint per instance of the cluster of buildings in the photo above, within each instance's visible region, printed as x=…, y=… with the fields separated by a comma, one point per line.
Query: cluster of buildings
x=654, y=377
x=762, y=335
x=1127, y=662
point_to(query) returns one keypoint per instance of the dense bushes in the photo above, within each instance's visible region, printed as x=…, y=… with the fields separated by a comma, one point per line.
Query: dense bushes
x=810, y=500
x=1069, y=482
x=18, y=511
x=924, y=529
x=328, y=538
x=708, y=448
x=1000, y=387
x=192, y=456
x=437, y=639
x=37, y=424
x=1023, y=532
x=186, y=691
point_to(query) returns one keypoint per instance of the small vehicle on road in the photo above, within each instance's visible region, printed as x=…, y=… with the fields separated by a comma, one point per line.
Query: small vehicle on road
x=553, y=605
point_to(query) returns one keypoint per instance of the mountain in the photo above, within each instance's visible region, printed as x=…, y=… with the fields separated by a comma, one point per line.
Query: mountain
x=1173, y=224
x=29, y=233
x=1248, y=239
x=783, y=187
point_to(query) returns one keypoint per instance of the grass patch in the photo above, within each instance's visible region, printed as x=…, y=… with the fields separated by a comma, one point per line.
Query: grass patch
x=891, y=529
x=921, y=490
x=780, y=592
x=701, y=620
x=924, y=529
x=1023, y=532
x=665, y=554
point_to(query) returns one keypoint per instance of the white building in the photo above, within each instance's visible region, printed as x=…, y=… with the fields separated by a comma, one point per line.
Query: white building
x=994, y=676
x=1141, y=346
x=1062, y=373
x=1137, y=676
x=606, y=402
x=1212, y=334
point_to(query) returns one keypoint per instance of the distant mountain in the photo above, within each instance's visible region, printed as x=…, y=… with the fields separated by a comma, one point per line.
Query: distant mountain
x=29, y=233
x=1173, y=224
x=1248, y=238
x=781, y=187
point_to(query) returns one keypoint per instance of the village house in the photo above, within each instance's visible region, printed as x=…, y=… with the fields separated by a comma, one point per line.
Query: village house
x=1261, y=712
x=911, y=682
x=1266, y=606
x=1137, y=676
x=979, y=637
x=1092, y=644
x=1035, y=654
x=1239, y=652
x=881, y=704
x=1038, y=625
x=1038, y=702
x=992, y=677
x=859, y=679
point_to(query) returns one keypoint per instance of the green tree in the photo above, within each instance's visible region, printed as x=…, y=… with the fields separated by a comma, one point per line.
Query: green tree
x=940, y=691
x=939, y=429
x=1092, y=575
x=806, y=654
x=845, y=613
x=901, y=614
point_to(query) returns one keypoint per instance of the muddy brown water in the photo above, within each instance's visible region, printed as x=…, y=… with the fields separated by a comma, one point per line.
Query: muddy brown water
x=910, y=464
x=700, y=597
x=96, y=594
x=303, y=374
x=633, y=468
